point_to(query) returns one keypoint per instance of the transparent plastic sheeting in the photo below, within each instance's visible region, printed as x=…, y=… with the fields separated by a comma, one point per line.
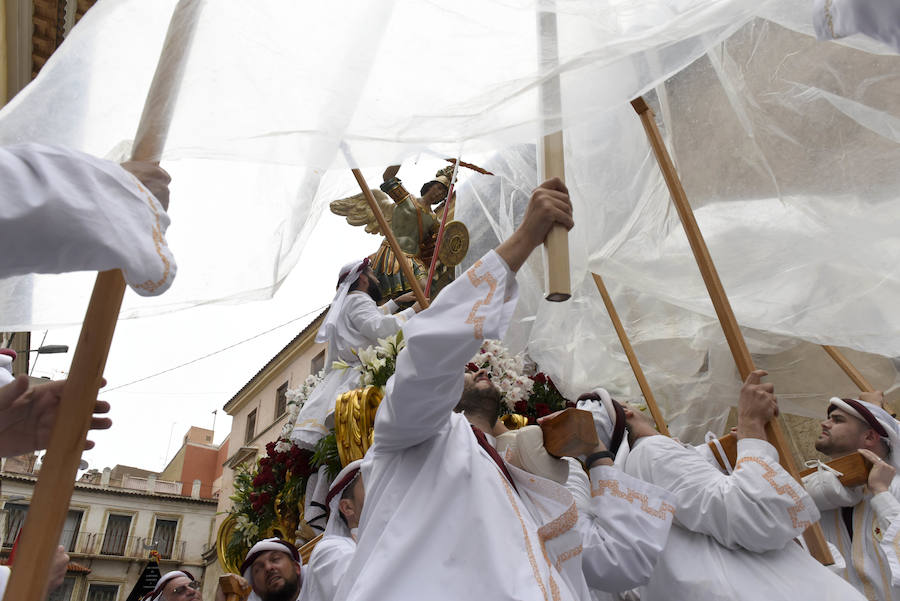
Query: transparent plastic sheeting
x=788, y=149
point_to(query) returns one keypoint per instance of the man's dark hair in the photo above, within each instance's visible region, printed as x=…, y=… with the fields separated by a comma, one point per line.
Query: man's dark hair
x=373, y=289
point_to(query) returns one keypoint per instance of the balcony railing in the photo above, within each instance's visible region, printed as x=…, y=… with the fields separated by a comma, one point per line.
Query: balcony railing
x=137, y=547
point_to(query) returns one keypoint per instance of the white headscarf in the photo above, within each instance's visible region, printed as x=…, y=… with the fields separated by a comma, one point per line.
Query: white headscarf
x=878, y=419
x=608, y=414
x=345, y=478
x=268, y=544
x=156, y=593
x=7, y=356
x=347, y=277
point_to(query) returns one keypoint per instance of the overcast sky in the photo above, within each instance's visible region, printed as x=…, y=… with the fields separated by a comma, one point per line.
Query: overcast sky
x=151, y=417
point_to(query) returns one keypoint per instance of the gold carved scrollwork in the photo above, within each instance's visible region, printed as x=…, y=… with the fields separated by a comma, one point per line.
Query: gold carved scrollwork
x=354, y=421
x=222, y=538
x=514, y=421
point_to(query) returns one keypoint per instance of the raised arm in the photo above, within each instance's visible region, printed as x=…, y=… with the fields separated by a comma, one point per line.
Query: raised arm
x=56, y=206
x=428, y=381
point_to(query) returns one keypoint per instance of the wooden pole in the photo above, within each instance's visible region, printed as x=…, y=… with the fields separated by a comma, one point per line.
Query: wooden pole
x=848, y=368
x=405, y=267
x=815, y=539
x=53, y=491
x=233, y=588
x=632, y=358
x=559, y=285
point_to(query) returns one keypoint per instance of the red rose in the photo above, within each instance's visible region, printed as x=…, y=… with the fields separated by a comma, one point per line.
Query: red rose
x=539, y=377
x=472, y=367
x=542, y=409
x=265, y=498
x=257, y=481
x=521, y=407
x=270, y=449
x=265, y=462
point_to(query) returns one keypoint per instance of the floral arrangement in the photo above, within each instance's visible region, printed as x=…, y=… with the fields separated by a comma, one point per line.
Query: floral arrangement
x=267, y=495
x=532, y=396
x=377, y=363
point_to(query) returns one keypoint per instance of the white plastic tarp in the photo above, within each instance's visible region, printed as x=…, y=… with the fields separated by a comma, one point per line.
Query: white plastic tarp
x=788, y=149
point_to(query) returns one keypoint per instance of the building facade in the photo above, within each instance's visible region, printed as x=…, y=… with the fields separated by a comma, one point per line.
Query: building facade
x=112, y=526
x=258, y=411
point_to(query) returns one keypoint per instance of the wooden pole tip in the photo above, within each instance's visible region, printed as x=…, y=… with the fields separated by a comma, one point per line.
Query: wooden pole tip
x=640, y=105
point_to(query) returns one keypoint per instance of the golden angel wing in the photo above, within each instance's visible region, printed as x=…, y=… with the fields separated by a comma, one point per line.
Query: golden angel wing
x=357, y=211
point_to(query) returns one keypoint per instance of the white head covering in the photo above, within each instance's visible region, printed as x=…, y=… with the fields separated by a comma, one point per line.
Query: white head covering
x=346, y=278
x=7, y=356
x=156, y=593
x=609, y=420
x=878, y=419
x=345, y=478
x=268, y=544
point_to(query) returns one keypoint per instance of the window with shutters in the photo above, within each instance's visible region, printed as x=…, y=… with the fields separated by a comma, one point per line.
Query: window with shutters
x=250, y=430
x=64, y=591
x=15, y=519
x=164, y=536
x=281, y=400
x=69, y=536
x=102, y=592
x=116, y=535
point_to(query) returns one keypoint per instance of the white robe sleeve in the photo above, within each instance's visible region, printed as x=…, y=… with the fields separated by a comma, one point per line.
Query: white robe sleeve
x=760, y=507
x=327, y=565
x=62, y=211
x=625, y=524
x=428, y=380
x=368, y=319
x=887, y=517
x=827, y=492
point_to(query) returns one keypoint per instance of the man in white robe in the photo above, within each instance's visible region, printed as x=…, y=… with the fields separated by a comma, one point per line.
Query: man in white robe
x=274, y=569
x=58, y=208
x=733, y=534
x=444, y=516
x=354, y=323
x=331, y=557
x=863, y=522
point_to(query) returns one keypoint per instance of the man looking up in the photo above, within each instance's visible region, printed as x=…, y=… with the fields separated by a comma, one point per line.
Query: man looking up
x=274, y=570
x=733, y=534
x=863, y=522
x=444, y=516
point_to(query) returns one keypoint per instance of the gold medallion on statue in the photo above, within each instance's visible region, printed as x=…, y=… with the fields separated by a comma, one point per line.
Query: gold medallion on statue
x=455, y=244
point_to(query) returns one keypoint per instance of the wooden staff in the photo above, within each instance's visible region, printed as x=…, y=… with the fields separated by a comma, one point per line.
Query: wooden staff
x=559, y=285
x=815, y=539
x=848, y=368
x=632, y=358
x=233, y=588
x=53, y=491
x=405, y=267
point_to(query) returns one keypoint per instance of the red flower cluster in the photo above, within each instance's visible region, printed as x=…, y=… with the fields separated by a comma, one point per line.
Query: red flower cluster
x=260, y=500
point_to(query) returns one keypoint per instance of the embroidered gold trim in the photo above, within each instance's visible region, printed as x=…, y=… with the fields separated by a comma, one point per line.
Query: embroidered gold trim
x=562, y=524
x=785, y=489
x=856, y=553
x=567, y=555
x=150, y=285
x=531, y=559
x=838, y=538
x=478, y=322
x=600, y=488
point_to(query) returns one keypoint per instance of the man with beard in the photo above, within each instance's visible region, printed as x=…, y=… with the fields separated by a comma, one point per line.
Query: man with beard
x=864, y=521
x=274, y=570
x=733, y=537
x=354, y=322
x=444, y=516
